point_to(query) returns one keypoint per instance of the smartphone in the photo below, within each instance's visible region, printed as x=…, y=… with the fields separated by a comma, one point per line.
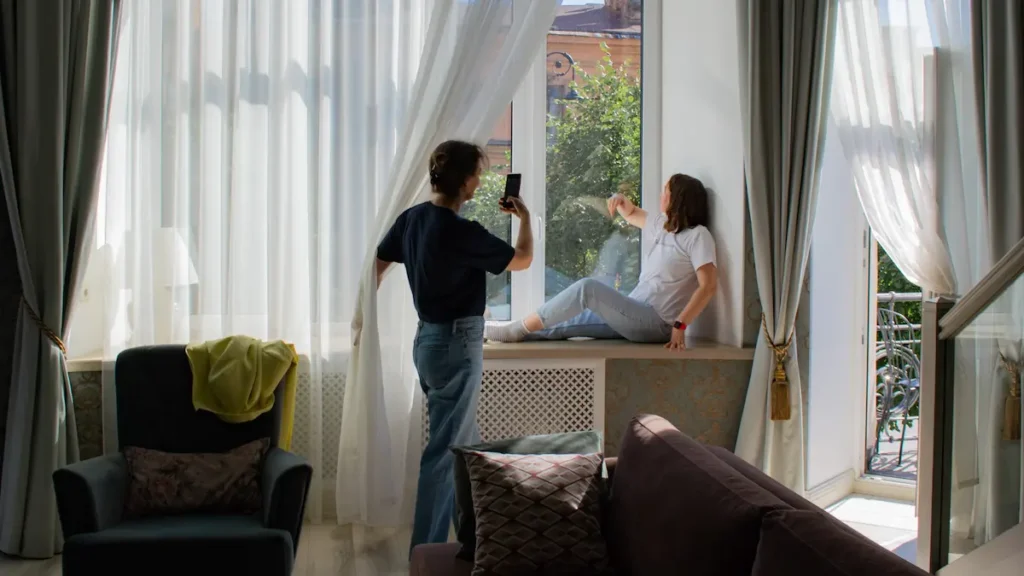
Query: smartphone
x=512, y=183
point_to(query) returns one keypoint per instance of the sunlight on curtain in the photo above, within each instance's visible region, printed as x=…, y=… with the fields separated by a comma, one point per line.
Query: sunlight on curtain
x=476, y=54
x=883, y=98
x=248, y=155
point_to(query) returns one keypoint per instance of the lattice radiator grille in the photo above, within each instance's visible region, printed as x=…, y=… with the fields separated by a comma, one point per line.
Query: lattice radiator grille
x=513, y=402
x=325, y=412
x=525, y=401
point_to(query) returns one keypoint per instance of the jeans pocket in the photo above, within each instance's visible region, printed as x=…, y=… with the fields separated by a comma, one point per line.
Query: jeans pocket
x=473, y=335
x=431, y=357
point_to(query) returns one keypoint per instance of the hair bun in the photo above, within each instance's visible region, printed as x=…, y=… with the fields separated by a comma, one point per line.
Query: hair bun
x=451, y=164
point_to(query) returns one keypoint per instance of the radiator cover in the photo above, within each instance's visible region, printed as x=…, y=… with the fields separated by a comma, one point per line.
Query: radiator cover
x=528, y=397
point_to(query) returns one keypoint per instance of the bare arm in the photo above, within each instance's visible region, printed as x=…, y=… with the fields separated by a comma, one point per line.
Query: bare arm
x=524, y=243
x=382, y=267
x=636, y=216
x=633, y=214
x=707, y=284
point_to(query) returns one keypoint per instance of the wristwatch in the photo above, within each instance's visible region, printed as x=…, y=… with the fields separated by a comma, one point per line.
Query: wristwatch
x=679, y=326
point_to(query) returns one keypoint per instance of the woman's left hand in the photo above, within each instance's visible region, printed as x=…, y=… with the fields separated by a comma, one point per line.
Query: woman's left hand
x=678, y=341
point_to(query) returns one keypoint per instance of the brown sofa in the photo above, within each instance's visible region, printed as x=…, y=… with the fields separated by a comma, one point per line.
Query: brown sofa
x=678, y=507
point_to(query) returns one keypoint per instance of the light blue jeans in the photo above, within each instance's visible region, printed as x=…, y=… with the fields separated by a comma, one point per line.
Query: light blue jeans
x=592, y=309
x=450, y=361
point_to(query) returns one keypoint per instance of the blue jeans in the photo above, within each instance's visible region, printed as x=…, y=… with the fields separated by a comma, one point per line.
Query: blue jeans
x=450, y=361
x=592, y=309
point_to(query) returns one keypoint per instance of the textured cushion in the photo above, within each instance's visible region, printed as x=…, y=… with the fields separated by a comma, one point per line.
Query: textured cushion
x=188, y=544
x=568, y=443
x=801, y=542
x=537, y=514
x=161, y=483
x=676, y=507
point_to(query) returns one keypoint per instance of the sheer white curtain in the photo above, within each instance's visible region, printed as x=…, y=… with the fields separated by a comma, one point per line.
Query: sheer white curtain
x=475, y=56
x=883, y=110
x=249, y=152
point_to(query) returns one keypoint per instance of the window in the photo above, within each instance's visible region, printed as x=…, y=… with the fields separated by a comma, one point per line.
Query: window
x=576, y=128
x=575, y=123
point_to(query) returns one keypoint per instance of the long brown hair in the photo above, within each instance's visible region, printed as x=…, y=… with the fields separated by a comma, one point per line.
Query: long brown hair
x=687, y=204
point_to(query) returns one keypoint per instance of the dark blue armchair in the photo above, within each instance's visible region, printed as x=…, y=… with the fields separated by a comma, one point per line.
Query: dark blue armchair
x=154, y=410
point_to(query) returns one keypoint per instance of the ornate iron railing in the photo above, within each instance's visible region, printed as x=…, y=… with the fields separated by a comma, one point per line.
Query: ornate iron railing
x=897, y=383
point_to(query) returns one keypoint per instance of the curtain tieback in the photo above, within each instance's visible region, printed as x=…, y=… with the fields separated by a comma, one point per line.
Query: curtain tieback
x=780, y=383
x=50, y=334
x=1011, y=408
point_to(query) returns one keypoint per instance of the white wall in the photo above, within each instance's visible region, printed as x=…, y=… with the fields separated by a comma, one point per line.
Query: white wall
x=701, y=135
x=839, y=313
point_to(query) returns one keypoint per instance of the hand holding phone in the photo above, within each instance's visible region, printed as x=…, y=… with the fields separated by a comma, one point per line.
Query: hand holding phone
x=514, y=207
x=512, y=184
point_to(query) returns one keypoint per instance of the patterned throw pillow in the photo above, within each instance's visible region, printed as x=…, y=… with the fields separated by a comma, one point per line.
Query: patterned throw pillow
x=163, y=483
x=587, y=442
x=537, y=514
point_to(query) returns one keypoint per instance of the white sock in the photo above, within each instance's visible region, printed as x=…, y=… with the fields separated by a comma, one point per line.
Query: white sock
x=511, y=332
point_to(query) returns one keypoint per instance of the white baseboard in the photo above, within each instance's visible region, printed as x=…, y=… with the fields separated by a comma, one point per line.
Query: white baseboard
x=887, y=488
x=832, y=490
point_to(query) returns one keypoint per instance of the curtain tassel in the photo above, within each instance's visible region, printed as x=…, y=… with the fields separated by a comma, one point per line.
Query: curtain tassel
x=1011, y=409
x=780, y=409
x=38, y=321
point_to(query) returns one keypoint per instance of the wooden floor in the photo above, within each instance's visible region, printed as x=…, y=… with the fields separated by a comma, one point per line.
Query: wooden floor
x=324, y=550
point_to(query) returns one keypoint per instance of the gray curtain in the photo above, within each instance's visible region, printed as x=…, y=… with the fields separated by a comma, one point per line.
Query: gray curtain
x=998, y=47
x=56, y=60
x=785, y=63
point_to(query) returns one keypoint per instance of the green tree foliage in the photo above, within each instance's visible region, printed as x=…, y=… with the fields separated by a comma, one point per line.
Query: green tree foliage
x=890, y=279
x=593, y=151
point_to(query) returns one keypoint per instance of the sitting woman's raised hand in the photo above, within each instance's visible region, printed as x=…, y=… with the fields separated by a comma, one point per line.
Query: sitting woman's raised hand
x=619, y=202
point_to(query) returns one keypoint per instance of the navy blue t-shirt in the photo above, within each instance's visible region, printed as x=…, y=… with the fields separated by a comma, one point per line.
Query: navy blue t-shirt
x=446, y=258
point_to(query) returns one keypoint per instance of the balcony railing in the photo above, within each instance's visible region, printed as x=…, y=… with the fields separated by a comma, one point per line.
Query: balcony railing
x=896, y=386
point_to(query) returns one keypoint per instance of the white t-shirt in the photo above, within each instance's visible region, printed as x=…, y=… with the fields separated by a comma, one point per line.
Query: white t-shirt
x=669, y=277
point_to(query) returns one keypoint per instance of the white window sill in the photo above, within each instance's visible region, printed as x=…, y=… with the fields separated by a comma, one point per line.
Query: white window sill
x=614, y=350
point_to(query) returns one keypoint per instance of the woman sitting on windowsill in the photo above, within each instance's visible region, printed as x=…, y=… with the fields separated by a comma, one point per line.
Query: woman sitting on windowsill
x=678, y=281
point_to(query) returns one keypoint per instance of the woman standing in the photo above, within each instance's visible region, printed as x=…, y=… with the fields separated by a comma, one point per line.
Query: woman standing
x=446, y=259
x=678, y=280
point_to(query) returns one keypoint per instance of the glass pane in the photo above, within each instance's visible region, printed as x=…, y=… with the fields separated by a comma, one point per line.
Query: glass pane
x=987, y=466
x=593, y=144
x=484, y=209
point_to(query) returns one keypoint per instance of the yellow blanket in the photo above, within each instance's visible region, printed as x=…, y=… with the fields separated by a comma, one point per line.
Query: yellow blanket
x=235, y=378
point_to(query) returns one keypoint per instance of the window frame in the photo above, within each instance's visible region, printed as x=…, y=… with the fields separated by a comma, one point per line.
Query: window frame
x=529, y=151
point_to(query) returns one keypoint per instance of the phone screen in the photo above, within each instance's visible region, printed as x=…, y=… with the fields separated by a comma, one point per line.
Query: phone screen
x=512, y=182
